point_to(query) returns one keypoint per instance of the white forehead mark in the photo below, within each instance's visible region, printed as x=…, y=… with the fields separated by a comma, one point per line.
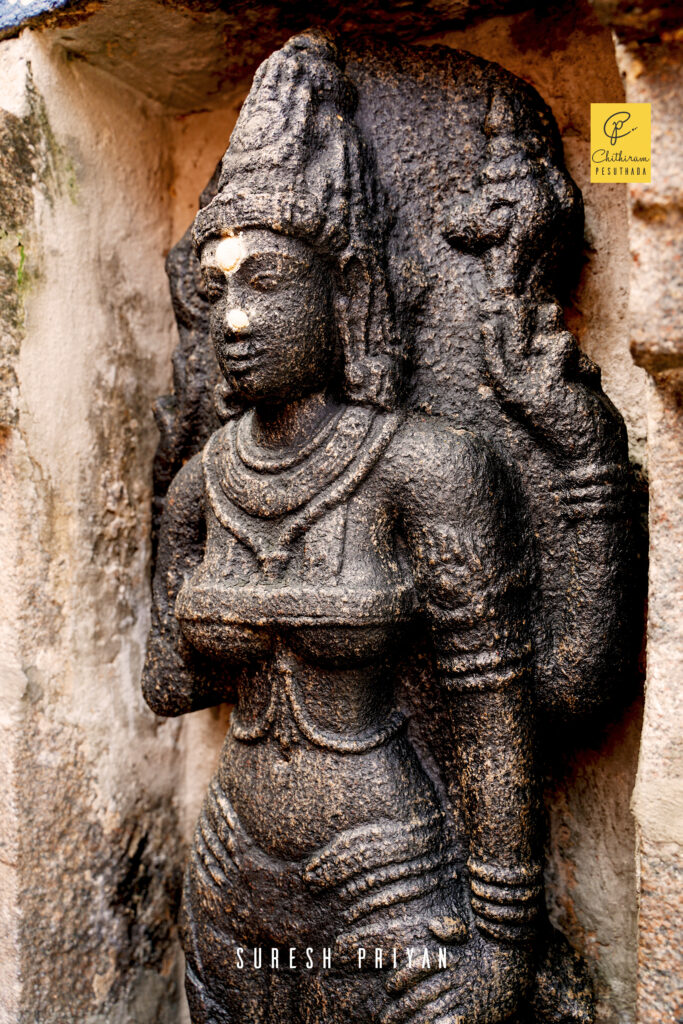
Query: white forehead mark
x=237, y=320
x=229, y=253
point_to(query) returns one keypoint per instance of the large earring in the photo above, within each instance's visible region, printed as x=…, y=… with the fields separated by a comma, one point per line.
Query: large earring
x=226, y=405
x=369, y=377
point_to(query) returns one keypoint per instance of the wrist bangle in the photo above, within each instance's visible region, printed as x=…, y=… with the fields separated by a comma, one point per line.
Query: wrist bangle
x=505, y=901
x=590, y=492
x=484, y=670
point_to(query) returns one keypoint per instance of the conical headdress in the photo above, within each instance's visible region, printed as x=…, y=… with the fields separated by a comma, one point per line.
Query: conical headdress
x=294, y=160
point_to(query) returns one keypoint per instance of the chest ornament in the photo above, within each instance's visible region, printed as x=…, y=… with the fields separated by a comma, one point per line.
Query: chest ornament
x=268, y=504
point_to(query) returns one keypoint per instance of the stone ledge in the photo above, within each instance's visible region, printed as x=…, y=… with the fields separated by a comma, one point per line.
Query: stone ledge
x=144, y=42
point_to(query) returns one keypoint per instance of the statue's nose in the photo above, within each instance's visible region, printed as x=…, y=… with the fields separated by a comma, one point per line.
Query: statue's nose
x=237, y=320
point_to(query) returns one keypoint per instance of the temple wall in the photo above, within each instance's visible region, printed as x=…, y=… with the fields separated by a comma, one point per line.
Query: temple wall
x=92, y=859
x=99, y=175
x=650, y=55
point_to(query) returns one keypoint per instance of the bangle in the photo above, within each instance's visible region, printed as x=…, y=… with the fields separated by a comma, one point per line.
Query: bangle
x=481, y=671
x=591, y=492
x=505, y=901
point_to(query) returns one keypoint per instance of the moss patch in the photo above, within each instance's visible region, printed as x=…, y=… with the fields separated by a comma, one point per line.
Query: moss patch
x=31, y=159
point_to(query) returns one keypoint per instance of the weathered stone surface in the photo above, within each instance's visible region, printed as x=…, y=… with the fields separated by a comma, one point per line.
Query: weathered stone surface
x=591, y=874
x=144, y=42
x=271, y=17
x=658, y=797
x=653, y=73
x=16, y=14
x=640, y=20
x=90, y=836
x=660, y=960
x=650, y=57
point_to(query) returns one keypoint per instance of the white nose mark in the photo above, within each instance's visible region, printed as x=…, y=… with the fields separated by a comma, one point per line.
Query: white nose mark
x=237, y=320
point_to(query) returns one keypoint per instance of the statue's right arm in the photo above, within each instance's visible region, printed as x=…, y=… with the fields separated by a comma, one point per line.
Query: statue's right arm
x=176, y=677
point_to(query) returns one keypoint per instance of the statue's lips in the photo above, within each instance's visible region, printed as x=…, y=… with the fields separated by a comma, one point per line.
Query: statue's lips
x=242, y=358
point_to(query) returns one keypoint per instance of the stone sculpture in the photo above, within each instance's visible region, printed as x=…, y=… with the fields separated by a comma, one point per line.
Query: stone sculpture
x=403, y=554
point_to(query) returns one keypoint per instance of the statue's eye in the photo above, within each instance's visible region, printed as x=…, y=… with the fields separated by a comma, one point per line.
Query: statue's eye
x=214, y=284
x=265, y=281
x=265, y=272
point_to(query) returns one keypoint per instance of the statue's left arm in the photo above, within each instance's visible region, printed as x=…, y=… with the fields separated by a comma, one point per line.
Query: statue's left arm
x=177, y=678
x=470, y=568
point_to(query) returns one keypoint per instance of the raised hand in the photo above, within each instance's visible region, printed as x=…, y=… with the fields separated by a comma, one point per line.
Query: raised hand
x=544, y=380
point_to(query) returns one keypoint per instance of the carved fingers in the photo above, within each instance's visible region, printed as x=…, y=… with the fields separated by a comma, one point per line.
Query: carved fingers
x=483, y=984
x=361, y=851
x=448, y=998
x=535, y=366
x=525, y=347
x=427, y=998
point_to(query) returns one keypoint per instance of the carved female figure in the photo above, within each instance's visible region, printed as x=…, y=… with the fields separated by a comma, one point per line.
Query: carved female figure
x=321, y=531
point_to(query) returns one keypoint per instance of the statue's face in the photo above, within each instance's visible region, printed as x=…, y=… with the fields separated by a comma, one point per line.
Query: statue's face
x=271, y=314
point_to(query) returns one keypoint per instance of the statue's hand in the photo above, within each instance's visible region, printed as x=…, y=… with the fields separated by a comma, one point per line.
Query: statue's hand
x=544, y=380
x=484, y=983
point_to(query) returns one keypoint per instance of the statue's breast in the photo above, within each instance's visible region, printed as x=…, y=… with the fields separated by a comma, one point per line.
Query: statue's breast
x=341, y=595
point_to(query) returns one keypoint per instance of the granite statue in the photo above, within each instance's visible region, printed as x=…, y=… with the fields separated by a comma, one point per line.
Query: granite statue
x=394, y=530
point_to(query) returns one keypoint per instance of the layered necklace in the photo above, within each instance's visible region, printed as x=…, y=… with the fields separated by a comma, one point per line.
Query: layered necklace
x=269, y=500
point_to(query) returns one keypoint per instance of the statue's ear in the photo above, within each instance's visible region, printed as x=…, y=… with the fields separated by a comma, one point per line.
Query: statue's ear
x=368, y=375
x=352, y=310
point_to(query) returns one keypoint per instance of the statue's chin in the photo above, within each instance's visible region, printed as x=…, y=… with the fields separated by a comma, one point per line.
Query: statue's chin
x=248, y=390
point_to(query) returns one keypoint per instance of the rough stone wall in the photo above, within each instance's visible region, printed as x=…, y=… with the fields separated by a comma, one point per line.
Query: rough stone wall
x=90, y=849
x=650, y=53
x=96, y=183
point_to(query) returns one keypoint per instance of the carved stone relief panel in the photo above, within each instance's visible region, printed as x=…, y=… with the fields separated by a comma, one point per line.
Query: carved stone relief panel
x=394, y=528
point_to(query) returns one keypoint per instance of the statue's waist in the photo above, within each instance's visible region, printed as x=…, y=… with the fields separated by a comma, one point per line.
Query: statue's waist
x=295, y=801
x=295, y=703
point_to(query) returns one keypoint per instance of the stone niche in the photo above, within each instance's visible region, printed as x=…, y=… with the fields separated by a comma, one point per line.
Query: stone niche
x=112, y=118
